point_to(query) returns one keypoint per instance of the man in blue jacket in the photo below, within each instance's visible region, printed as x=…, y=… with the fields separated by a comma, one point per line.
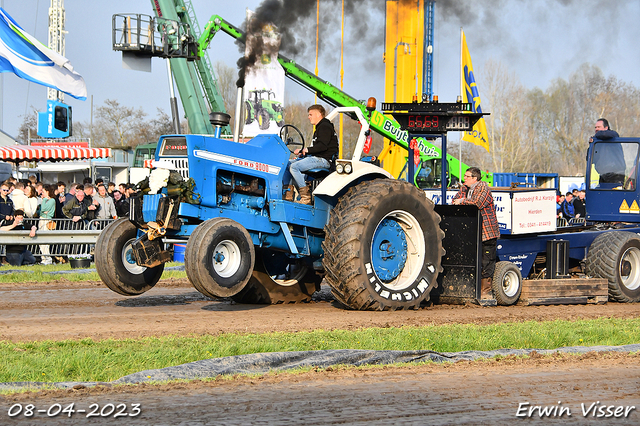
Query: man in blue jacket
x=608, y=159
x=566, y=207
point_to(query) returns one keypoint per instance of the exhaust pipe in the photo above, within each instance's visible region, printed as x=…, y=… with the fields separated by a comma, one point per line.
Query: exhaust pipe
x=238, y=117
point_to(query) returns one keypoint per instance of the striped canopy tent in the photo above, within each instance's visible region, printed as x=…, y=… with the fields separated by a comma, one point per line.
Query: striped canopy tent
x=39, y=153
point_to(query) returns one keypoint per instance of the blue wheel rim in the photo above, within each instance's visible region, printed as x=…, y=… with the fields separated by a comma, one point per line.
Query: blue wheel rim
x=389, y=250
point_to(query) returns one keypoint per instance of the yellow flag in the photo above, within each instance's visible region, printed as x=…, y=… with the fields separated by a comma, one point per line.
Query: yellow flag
x=478, y=136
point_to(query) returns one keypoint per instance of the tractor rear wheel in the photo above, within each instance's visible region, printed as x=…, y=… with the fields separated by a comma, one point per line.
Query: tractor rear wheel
x=248, y=113
x=219, y=257
x=616, y=256
x=383, y=246
x=263, y=119
x=278, y=278
x=115, y=262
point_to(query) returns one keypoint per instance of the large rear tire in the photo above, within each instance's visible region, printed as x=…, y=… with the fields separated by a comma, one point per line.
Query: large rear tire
x=263, y=119
x=116, y=264
x=383, y=246
x=219, y=257
x=278, y=278
x=248, y=113
x=616, y=256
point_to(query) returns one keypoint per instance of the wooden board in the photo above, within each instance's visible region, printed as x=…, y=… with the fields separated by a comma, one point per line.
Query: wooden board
x=564, y=291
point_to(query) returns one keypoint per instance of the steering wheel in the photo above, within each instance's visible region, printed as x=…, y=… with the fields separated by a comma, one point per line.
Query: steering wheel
x=292, y=136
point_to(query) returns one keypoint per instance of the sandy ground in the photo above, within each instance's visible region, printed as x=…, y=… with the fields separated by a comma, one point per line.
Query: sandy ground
x=89, y=309
x=485, y=392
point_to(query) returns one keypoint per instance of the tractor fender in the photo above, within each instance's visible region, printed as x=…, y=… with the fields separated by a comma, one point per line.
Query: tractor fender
x=336, y=182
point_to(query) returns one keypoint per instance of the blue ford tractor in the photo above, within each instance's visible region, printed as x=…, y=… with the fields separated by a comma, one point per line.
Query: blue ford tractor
x=376, y=240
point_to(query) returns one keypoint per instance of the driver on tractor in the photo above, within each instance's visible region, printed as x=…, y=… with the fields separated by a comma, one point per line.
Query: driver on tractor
x=324, y=146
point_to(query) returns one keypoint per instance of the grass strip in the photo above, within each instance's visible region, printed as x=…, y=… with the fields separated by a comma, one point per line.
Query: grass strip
x=106, y=360
x=41, y=273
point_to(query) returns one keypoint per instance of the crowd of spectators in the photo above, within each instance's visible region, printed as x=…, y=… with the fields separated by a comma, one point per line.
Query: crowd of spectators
x=41, y=204
x=571, y=205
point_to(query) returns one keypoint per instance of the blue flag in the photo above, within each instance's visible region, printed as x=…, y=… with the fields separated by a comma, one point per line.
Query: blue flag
x=23, y=55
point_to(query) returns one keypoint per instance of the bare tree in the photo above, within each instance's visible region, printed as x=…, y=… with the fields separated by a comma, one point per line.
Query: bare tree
x=227, y=77
x=29, y=126
x=117, y=125
x=508, y=125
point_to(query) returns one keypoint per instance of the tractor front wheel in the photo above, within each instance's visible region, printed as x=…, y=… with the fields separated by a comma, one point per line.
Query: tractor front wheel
x=116, y=264
x=219, y=257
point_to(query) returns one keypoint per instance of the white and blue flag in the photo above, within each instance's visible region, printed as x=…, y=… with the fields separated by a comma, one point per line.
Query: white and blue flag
x=23, y=55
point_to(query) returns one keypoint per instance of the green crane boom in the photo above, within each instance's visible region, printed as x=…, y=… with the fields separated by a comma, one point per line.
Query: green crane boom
x=195, y=80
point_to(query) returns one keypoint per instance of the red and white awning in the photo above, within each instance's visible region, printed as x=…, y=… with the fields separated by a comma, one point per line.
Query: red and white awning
x=19, y=153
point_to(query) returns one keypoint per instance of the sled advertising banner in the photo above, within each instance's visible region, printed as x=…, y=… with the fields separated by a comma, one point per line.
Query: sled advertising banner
x=264, y=82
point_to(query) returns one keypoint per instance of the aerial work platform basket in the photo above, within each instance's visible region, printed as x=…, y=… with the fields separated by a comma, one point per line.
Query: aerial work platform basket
x=145, y=35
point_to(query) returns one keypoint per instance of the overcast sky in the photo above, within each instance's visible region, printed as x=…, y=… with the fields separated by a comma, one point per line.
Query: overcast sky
x=539, y=40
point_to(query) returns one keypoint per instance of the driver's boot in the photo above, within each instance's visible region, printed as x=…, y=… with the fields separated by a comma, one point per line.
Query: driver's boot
x=485, y=288
x=288, y=193
x=305, y=195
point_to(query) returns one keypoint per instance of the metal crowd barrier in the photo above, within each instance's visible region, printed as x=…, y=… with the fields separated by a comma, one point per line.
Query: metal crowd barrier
x=69, y=238
x=562, y=222
x=576, y=221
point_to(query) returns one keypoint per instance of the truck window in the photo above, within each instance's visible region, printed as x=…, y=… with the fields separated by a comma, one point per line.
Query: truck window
x=614, y=166
x=141, y=155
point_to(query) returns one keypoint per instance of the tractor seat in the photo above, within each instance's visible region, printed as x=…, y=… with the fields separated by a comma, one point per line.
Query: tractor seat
x=322, y=172
x=319, y=173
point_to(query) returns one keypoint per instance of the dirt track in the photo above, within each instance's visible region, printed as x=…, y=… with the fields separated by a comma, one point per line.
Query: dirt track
x=465, y=393
x=487, y=392
x=78, y=310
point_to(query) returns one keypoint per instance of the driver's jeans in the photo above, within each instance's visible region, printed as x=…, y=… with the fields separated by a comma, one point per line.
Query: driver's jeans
x=298, y=166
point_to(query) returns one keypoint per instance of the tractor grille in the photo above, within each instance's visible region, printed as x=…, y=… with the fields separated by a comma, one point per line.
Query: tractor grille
x=181, y=165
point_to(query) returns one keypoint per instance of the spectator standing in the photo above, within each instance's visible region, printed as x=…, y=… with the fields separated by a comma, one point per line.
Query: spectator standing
x=39, y=188
x=47, y=212
x=18, y=255
x=11, y=184
x=18, y=197
x=106, y=206
x=60, y=199
x=559, y=200
x=76, y=207
x=578, y=204
x=121, y=203
x=131, y=190
x=30, y=205
x=72, y=192
x=6, y=204
x=92, y=210
x=110, y=188
x=566, y=207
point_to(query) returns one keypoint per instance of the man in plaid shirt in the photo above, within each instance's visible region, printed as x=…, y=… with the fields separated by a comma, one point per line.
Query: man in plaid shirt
x=477, y=193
